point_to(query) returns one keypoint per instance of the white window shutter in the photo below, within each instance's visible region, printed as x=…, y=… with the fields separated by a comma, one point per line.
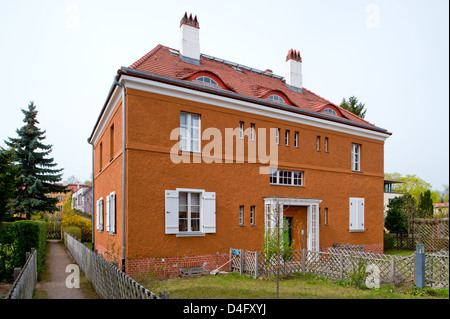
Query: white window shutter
x=107, y=213
x=353, y=214
x=112, y=213
x=97, y=215
x=361, y=213
x=209, y=212
x=171, y=212
x=101, y=214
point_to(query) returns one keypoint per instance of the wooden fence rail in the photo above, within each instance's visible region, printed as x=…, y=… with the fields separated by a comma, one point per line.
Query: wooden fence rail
x=342, y=264
x=25, y=282
x=108, y=281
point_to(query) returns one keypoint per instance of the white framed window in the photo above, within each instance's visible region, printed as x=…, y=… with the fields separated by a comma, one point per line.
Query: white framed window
x=252, y=215
x=318, y=143
x=189, y=132
x=99, y=214
x=277, y=136
x=190, y=212
x=356, y=214
x=241, y=215
x=326, y=144
x=325, y=216
x=241, y=130
x=252, y=132
x=284, y=177
x=296, y=139
x=286, y=137
x=356, y=157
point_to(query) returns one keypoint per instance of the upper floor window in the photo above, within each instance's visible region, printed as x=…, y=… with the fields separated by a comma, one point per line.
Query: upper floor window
x=296, y=139
x=252, y=132
x=241, y=130
x=356, y=157
x=189, y=132
x=206, y=80
x=276, y=98
x=330, y=111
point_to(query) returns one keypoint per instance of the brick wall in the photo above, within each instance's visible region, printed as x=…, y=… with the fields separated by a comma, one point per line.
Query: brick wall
x=170, y=266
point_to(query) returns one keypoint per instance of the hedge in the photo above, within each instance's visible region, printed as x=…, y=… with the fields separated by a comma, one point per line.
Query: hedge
x=16, y=239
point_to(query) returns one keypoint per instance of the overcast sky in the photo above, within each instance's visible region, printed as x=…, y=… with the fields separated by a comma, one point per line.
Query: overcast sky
x=393, y=55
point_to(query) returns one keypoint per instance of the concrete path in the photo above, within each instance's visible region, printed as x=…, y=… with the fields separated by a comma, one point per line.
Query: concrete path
x=57, y=259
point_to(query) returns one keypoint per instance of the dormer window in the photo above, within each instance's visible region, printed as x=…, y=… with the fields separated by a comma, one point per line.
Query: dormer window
x=206, y=80
x=330, y=111
x=276, y=98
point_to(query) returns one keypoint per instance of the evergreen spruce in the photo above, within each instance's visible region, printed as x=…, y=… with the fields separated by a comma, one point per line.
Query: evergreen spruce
x=38, y=177
x=354, y=106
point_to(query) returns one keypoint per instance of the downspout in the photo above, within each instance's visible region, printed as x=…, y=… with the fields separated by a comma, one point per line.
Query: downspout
x=123, y=174
x=93, y=198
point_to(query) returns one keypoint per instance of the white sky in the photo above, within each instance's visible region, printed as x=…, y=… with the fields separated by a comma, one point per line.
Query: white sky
x=393, y=55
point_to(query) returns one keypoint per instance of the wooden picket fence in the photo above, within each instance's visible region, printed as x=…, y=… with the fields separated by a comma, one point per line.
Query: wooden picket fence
x=25, y=282
x=108, y=281
x=340, y=263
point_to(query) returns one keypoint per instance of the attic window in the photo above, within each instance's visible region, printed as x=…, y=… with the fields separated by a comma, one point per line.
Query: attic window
x=330, y=111
x=206, y=80
x=276, y=98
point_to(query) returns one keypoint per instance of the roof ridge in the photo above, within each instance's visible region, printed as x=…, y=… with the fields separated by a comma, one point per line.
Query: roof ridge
x=145, y=57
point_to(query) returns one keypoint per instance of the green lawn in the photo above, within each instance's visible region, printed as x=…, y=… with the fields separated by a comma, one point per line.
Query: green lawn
x=299, y=286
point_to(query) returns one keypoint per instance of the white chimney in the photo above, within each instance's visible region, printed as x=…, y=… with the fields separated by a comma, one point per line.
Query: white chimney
x=190, y=40
x=294, y=70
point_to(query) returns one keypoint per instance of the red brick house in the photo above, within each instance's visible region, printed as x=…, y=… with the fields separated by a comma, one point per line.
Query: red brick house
x=191, y=153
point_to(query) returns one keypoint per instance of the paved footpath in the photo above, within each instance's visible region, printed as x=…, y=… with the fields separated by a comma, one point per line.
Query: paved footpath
x=57, y=260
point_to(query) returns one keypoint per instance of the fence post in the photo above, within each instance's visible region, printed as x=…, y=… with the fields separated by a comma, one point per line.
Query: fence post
x=392, y=269
x=241, y=261
x=256, y=264
x=231, y=256
x=420, y=265
x=303, y=260
x=341, y=265
x=164, y=295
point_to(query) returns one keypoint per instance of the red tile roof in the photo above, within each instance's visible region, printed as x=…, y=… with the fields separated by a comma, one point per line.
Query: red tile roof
x=243, y=81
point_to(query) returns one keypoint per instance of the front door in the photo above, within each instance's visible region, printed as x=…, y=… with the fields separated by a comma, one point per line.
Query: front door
x=287, y=233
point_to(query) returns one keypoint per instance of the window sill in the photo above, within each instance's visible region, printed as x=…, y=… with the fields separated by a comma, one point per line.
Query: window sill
x=190, y=234
x=356, y=230
x=271, y=184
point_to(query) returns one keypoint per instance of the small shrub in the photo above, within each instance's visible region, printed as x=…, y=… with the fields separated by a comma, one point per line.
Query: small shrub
x=73, y=231
x=389, y=242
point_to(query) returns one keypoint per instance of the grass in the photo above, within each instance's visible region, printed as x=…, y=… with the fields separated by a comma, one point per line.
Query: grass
x=397, y=252
x=298, y=286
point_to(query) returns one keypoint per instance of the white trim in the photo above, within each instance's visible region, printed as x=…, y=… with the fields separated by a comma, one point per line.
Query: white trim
x=147, y=85
x=311, y=203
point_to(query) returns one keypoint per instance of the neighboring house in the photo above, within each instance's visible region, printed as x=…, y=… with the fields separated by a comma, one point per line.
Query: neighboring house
x=178, y=180
x=82, y=199
x=440, y=209
x=63, y=196
x=389, y=193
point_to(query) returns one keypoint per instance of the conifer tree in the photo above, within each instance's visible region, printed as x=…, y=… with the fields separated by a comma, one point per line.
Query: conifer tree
x=354, y=106
x=37, y=173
